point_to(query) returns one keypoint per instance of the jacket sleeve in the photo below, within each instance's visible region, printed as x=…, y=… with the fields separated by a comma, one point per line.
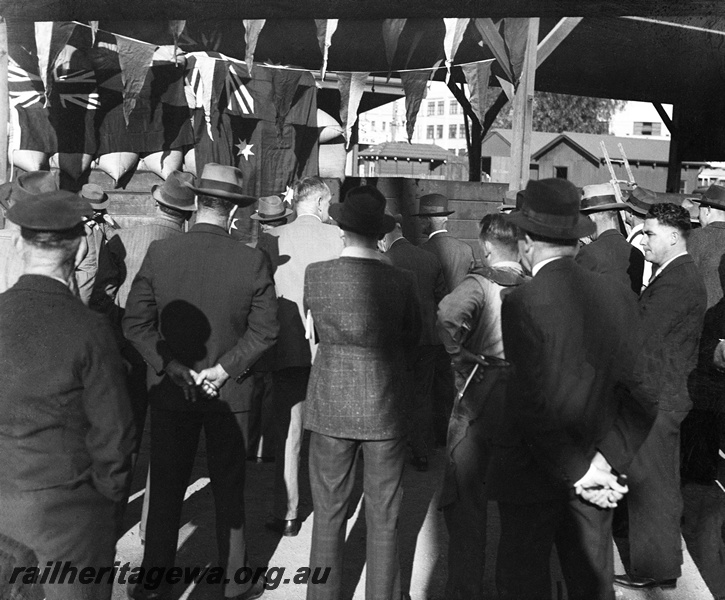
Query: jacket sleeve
x=458, y=313
x=262, y=324
x=110, y=438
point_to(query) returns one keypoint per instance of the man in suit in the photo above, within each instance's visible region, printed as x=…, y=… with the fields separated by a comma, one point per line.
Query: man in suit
x=456, y=258
x=66, y=425
x=469, y=324
x=570, y=424
x=673, y=308
x=201, y=311
x=367, y=315
x=609, y=253
x=309, y=238
x=431, y=290
x=706, y=245
x=638, y=202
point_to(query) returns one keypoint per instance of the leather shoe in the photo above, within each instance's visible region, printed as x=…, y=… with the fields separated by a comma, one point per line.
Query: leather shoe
x=420, y=463
x=288, y=528
x=644, y=583
x=253, y=592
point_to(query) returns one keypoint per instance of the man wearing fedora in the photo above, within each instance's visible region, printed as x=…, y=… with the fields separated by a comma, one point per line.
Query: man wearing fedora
x=609, y=253
x=706, y=245
x=672, y=307
x=308, y=239
x=576, y=409
x=367, y=316
x=66, y=425
x=201, y=311
x=456, y=258
x=639, y=201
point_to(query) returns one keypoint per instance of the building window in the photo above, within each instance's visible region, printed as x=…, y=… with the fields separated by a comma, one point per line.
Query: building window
x=429, y=132
x=384, y=124
x=439, y=132
x=561, y=172
x=372, y=125
x=441, y=107
x=462, y=131
x=431, y=109
x=452, y=129
x=454, y=107
x=647, y=128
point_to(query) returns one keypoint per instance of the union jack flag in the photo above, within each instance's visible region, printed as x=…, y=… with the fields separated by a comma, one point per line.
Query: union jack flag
x=26, y=89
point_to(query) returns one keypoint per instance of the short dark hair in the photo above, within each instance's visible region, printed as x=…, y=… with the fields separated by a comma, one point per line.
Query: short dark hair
x=216, y=204
x=174, y=212
x=672, y=215
x=495, y=228
x=65, y=240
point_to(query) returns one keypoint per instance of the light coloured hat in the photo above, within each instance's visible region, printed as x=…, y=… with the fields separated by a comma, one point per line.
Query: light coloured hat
x=175, y=192
x=598, y=197
x=222, y=181
x=271, y=208
x=95, y=195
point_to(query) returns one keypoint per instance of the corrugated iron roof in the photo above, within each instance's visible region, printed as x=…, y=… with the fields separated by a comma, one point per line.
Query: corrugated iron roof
x=405, y=151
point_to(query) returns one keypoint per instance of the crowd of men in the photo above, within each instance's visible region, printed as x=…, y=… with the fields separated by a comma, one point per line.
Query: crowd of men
x=560, y=372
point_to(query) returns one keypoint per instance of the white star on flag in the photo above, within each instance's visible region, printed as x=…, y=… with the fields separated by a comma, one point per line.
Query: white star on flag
x=244, y=149
x=234, y=224
x=289, y=195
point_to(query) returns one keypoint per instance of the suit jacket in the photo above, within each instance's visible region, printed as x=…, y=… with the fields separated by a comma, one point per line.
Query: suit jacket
x=202, y=298
x=306, y=240
x=610, y=254
x=431, y=284
x=65, y=416
x=673, y=310
x=455, y=256
x=574, y=341
x=707, y=248
x=367, y=316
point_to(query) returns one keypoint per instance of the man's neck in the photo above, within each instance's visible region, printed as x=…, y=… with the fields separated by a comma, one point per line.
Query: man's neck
x=212, y=218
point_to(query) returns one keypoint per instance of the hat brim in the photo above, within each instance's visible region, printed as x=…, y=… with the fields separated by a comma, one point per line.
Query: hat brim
x=444, y=213
x=584, y=227
x=709, y=203
x=638, y=209
x=156, y=195
x=99, y=205
x=386, y=225
x=239, y=199
x=601, y=207
x=287, y=213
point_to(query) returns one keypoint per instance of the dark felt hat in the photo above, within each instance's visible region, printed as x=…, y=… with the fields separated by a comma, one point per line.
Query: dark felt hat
x=640, y=200
x=95, y=195
x=515, y=196
x=175, y=191
x=714, y=196
x=222, y=181
x=26, y=186
x=50, y=211
x=271, y=208
x=363, y=212
x=599, y=197
x=551, y=209
x=433, y=205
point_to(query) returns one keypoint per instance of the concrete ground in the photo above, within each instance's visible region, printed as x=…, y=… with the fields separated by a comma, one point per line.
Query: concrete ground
x=423, y=541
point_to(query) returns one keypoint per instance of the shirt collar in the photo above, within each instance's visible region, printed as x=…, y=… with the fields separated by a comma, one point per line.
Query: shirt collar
x=437, y=232
x=355, y=252
x=395, y=240
x=538, y=266
x=667, y=262
x=309, y=215
x=508, y=264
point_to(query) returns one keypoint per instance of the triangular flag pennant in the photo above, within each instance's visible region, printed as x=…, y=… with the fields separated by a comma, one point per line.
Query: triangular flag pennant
x=94, y=31
x=176, y=28
x=351, y=86
x=392, y=28
x=135, y=59
x=205, y=66
x=515, y=34
x=507, y=87
x=477, y=75
x=252, y=29
x=492, y=38
x=414, y=84
x=50, y=39
x=325, y=30
x=455, y=28
x=284, y=87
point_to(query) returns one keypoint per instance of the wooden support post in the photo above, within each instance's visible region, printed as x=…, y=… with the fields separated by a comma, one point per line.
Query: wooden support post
x=474, y=136
x=674, y=166
x=4, y=101
x=523, y=113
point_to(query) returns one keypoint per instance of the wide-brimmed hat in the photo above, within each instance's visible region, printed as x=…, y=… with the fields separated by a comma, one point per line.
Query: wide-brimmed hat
x=433, y=205
x=714, y=196
x=271, y=208
x=551, y=209
x=58, y=210
x=27, y=185
x=598, y=197
x=640, y=200
x=175, y=192
x=96, y=197
x=363, y=212
x=222, y=181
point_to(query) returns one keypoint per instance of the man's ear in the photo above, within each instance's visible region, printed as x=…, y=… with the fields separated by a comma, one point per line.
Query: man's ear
x=18, y=242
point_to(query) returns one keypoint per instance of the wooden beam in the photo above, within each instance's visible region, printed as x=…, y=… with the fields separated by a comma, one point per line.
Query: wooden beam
x=674, y=167
x=555, y=37
x=523, y=113
x=665, y=117
x=4, y=101
x=143, y=10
